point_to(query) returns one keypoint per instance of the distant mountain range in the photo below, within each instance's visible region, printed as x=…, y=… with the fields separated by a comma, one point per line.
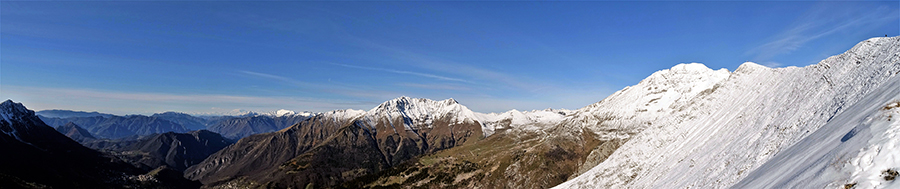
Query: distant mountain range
x=240, y=127
x=70, y=113
x=112, y=126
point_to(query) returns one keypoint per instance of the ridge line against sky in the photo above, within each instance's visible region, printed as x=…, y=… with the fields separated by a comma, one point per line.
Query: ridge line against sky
x=214, y=57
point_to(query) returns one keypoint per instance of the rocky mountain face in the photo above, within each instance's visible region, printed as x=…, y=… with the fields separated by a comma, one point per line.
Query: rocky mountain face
x=176, y=151
x=338, y=146
x=37, y=156
x=75, y=132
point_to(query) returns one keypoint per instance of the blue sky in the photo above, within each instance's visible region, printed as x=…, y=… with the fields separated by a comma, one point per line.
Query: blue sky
x=212, y=57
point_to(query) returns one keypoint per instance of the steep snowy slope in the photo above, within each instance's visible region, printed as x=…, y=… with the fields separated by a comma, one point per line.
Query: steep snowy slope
x=725, y=132
x=633, y=108
x=858, y=147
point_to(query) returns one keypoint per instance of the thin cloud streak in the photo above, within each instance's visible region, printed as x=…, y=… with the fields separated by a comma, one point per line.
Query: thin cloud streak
x=418, y=60
x=436, y=87
x=330, y=88
x=277, y=78
x=404, y=72
x=812, y=26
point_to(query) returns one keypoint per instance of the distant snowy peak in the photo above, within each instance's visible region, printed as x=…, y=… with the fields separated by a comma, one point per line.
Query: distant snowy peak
x=347, y=114
x=283, y=112
x=404, y=103
x=11, y=111
x=523, y=120
x=419, y=112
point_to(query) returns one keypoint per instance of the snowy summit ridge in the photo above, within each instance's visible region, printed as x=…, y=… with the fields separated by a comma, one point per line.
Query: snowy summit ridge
x=629, y=110
x=419, y=112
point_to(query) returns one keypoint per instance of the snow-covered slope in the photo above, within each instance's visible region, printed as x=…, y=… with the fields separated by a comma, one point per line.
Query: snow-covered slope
x=717, y=136
x=630, y=110
x=857, y=146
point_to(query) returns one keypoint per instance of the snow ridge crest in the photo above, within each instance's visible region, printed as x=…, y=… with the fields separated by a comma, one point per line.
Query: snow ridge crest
x=419, y=112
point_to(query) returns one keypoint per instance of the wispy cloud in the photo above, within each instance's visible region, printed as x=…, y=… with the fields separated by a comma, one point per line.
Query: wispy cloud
x=335, y=88
x=276, y=78
x=435, y=86
x=404, y=72
x=819, y=22
x=485, y=77
x=772, y=64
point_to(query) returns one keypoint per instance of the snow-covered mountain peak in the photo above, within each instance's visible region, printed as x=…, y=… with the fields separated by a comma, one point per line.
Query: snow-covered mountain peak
x=9, y=106
x=417, y=105
x=19, y=121
x=10, y=110
x=420, y=112
x=656, y=96
x=681, y=73
x=533, y=120
x=283, y=112
x=748, y=67
x=403, y=103
x=689, y=68
x=347, y=114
